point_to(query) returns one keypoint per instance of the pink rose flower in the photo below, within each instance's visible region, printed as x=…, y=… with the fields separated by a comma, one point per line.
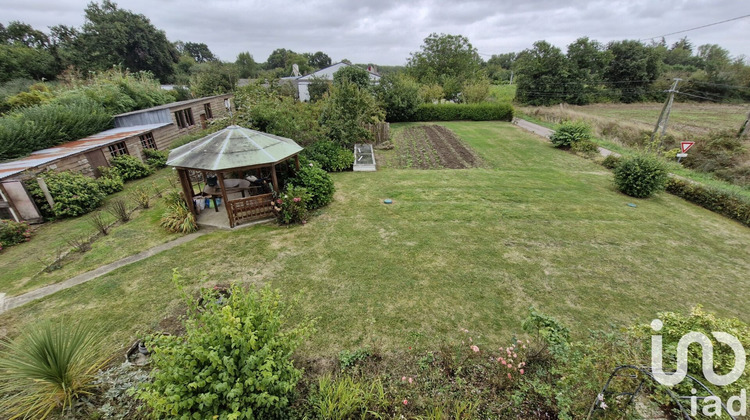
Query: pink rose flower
x=475, y=348
x=406, y=402
x=411, y=380
x=510, y=377
x=521, y=371
x=297, y=199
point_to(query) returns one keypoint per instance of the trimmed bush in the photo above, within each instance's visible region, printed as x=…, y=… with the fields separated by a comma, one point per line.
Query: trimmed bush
x=640, y=176
x=724, y=202
x=458, y=112
x=74, y=194
x=330, y=156
x=586, y=147
x=13, y=233
x=156, y=159
x=611, y=161
x=110, y=181
x=130, y=167
x=233, y=362
x=318, y=184
x=571, y=132
x=50, y=124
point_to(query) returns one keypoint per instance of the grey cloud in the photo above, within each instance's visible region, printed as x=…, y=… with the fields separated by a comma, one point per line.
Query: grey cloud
x=385, y=32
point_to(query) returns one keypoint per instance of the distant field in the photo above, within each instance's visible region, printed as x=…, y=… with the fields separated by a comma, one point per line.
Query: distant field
x=685, y=119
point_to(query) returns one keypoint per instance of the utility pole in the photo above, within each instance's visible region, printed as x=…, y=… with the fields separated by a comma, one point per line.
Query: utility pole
x=664, y=116
x=743, y=129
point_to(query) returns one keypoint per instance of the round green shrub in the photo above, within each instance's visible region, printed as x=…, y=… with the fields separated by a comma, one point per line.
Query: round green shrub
x=74, y=194
x=12, y=233
x=130, y=167
x=570, y=132
x=233, y=362
x=586, y=147
x=640, y=176
x=318, y=184
x=156, y=158
x=330, y=156
x=611, y=161
x=111, y=184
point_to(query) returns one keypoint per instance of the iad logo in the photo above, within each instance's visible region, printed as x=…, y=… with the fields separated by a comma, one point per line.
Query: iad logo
x=713, y=403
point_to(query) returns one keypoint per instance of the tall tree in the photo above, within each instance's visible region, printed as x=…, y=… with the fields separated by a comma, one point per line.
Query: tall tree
x=246, y=66
x=113, y=36
x=542, y=73
x=449, y=60
x=319, y=60
x=352, y=74
x=632, y=69
x=587, y=60
x=198, y=51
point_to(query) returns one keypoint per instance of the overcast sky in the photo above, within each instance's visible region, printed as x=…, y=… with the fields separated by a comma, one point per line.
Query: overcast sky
x=386, y=31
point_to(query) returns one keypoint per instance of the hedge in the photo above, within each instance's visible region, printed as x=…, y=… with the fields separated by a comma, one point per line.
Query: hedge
x=726, y=203
x=458, y=112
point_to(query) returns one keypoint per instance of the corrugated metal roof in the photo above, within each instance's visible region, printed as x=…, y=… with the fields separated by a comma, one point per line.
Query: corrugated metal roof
x=233, y=147
x=173, y=105
x=45, y=156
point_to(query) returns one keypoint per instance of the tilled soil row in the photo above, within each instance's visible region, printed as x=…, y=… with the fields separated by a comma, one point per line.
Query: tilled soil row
x=451, y=150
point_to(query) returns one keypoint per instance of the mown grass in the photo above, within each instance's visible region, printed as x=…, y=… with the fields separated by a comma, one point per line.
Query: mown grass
x=471, y=248
x=674, y=167
x=23, y=265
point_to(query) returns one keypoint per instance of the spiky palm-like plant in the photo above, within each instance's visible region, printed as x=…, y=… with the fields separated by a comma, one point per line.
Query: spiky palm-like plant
x=47, y=368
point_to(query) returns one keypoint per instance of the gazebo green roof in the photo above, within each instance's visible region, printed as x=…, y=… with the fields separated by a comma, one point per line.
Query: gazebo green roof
x=233, y=147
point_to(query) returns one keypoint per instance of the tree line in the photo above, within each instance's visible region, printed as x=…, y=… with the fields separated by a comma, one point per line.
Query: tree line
x=625, y=71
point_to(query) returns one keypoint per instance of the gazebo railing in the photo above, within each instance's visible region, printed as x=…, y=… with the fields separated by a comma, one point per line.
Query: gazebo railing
x=242, y=210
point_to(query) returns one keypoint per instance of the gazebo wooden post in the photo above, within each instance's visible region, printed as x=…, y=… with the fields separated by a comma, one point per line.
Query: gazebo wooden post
x=187, y=189
x=296, y=161
x=273, y=178
x=220, y=176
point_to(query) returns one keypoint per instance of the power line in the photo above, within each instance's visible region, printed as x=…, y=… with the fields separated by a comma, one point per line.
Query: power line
x=697, y=27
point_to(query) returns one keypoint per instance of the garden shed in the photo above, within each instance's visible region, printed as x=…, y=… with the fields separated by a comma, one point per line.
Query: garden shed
x=236, y=167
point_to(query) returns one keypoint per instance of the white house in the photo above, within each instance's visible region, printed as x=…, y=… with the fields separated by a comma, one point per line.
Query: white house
x=302, y=82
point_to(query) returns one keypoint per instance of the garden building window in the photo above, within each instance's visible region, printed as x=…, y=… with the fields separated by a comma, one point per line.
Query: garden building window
x=184, y=118
x=118, y=149
x=147, y=141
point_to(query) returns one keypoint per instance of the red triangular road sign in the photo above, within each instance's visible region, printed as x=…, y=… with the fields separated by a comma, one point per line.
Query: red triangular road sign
x=686, y=145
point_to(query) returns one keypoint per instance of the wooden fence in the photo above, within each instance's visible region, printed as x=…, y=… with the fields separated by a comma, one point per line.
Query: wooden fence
x=380, y=131
x=246, y=209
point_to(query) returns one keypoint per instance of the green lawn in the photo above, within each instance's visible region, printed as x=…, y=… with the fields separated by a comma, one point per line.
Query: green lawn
x=22, y=265
x=469, y=248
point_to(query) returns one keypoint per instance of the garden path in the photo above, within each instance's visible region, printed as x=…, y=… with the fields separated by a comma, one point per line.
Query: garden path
x=8, y=303
x=546, y=132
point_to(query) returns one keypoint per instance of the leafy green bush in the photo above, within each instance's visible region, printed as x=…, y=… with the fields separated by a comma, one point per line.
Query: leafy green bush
x=318, y=184
x=178, y=218
x=74, y=194
x=234, y=360
x=50, y=124
x=48, y=368
x=586, y=147
x=457, y=112
x=570, y=132
x=330, y=156
x=156, y=158
x=291, y=205
x=13, y=233
x=675, y=325
x=724, y=202
x=110, y=181
x=130, y=167
x=611, y=161
x=640, y=176
x=400, y=96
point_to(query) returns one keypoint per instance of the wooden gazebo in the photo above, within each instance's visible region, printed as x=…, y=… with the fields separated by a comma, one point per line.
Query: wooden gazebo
x=230, y=155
